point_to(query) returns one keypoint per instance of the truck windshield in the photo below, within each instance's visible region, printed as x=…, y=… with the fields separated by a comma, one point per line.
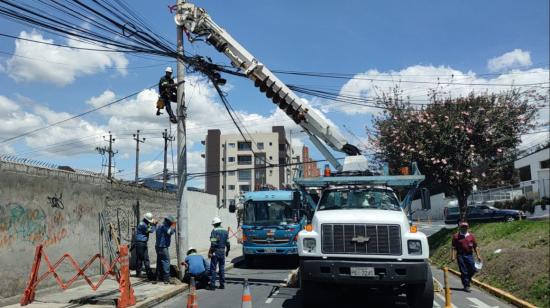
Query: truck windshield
x=359, y=199
x=268, y=213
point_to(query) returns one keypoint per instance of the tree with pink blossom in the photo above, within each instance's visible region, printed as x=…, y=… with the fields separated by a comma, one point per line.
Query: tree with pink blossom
x=457, y=142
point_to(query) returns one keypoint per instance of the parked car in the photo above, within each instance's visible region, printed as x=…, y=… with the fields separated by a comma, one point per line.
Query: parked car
x=482, y=213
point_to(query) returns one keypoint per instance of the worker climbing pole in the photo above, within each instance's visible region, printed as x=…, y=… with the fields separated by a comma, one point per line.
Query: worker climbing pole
x=167, y=94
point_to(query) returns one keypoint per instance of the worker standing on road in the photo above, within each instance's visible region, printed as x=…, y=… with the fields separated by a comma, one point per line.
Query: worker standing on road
x=144, y=228
x=167, y=92
x=464, y=245
x=196, y=267
x=164, y=233
x=219, y=249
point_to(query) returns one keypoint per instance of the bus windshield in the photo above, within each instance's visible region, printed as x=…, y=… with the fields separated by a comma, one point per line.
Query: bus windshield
x=359, y=198
x=268, y=213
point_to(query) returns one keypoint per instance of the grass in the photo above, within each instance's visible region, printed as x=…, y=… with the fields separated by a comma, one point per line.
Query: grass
x=521, y=267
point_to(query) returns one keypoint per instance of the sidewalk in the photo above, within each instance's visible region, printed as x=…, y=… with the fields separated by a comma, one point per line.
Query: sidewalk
x=146, y=293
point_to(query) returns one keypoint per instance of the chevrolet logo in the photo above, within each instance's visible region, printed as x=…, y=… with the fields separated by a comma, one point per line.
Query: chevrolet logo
x=360, y=239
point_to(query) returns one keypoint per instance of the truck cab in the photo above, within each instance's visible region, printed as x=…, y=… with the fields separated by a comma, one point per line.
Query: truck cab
x=271, y=222
x=360, y=236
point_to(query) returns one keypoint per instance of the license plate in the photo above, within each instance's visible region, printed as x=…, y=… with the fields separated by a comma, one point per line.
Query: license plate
x=362, y=271
x=270, y=250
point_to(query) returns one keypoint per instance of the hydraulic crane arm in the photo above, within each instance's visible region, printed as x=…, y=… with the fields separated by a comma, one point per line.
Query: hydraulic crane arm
x=197, y=22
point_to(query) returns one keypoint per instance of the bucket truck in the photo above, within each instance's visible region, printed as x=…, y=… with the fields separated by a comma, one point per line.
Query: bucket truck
x=359, y=234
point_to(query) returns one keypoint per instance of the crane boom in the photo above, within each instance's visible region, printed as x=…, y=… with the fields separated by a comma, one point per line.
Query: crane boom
x=197, y=22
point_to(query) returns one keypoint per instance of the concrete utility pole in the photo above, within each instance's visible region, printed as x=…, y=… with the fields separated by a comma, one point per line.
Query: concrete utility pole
x=182, y=226
x=138, y=141
x=165, y=170
x=110, y=152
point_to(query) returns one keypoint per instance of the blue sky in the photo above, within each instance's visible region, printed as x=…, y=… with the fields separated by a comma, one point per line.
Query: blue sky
x=399, y=40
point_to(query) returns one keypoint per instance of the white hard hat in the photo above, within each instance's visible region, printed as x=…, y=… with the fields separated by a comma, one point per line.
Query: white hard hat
x=168, y=69
x=148, y=216
x=216, y=220
x=190, y=250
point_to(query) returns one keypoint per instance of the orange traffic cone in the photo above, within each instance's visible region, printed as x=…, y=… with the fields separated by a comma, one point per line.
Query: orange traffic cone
x=247, y=297
x=192, y=301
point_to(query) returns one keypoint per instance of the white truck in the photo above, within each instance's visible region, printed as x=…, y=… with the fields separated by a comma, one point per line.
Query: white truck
x=359, y=233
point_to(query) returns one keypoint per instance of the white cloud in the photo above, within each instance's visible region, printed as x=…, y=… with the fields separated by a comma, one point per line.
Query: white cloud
x=14, y=120
x=416, y=82
x=105, y=97
x=513, y=59
x=58, y=65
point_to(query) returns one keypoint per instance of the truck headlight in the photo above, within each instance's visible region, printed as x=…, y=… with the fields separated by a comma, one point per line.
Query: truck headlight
x=310, y=243
x=415, y=247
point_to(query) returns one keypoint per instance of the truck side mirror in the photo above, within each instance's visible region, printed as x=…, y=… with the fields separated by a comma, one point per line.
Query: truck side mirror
x=425, y=198
x=296, y=200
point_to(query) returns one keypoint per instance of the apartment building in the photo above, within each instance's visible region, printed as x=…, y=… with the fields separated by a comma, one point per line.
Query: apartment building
x=234, y=165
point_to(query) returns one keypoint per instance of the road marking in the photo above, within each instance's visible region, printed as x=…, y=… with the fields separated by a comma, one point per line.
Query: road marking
x=479, y=304
x=442, y=298
x=270, y=298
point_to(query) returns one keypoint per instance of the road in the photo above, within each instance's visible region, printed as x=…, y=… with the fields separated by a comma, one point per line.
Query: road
x=267, y=276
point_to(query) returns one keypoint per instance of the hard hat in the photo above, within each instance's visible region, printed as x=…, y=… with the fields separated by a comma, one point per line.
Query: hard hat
x=464, y=224
x=168, y=69
x=191, y=249
x=148, y=216
x=170, y=218
x=216, y=220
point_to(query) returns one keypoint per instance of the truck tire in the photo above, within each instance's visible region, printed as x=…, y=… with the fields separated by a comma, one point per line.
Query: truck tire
x=421, y=295
x=310, y=296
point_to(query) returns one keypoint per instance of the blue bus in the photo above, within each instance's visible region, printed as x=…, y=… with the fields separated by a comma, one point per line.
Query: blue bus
x=271, y=222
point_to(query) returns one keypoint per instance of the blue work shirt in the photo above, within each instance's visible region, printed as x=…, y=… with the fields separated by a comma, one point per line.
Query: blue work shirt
x=197, y=264
x=144, y=228
x=219, y=239
x=164, y=233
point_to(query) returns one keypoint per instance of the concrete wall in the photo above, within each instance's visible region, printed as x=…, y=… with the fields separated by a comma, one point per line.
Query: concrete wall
x=27, y=218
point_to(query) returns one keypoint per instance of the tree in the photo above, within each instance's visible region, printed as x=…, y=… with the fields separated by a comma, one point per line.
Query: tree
x=457, y=142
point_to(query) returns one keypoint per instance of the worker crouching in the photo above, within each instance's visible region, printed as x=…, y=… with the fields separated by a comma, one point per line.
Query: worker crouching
x=197, y=267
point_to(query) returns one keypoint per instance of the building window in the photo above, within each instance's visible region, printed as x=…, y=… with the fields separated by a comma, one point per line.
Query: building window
x=244, y=175
x=231, y=159
x=244, y=145
x=231, y=187
x=231, y=145
x=525, y=173
x=260, y=145
x=545, y=164
x=244, y=159
x=259, y=159
x=244, y=188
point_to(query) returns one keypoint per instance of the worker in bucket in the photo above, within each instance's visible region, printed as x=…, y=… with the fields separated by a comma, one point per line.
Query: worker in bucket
x=147, y=226
x=168, y=93
x=162, y=246
x=197, y=267
x=464, y=246
x=219, y=249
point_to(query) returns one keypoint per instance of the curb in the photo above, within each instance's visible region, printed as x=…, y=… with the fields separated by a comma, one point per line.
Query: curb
x=153, y=301
x=498, y=292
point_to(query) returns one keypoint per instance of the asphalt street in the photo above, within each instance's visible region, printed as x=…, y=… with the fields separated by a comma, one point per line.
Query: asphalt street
x=267, y=279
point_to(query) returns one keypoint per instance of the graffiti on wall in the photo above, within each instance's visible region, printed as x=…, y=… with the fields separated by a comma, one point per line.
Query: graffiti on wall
x=18, y=223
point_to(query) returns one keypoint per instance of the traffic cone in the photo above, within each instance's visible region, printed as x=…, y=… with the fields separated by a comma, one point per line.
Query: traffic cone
x=247, y=297
x=192, y=301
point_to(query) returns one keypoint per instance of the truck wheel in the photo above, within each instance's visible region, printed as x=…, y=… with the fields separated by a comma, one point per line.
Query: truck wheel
x=421, y=295
x=309, y=296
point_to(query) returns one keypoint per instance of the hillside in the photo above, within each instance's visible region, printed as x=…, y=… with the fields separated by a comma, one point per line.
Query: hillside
x=515, y=257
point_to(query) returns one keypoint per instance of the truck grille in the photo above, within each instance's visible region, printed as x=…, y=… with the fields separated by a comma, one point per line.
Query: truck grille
x=361, y=239
x=273, y=241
